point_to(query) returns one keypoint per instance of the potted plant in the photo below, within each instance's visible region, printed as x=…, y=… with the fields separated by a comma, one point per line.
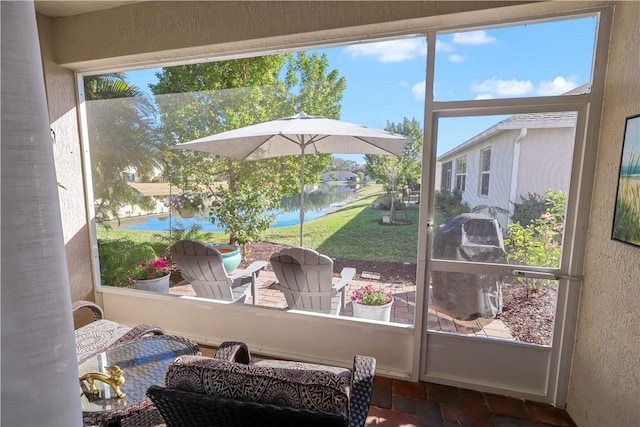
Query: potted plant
x=186, y=204
x=373, y=304
x=152, y=275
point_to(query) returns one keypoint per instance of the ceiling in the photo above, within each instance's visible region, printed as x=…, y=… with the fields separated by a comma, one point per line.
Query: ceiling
x=57, y=9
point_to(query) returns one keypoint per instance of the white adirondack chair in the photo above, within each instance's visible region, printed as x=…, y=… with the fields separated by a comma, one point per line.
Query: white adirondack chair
x=201, y=266
x=305, y=277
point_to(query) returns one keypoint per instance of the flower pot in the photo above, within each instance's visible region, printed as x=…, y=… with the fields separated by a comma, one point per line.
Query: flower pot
x=160, y=284
x=373, y=312
x=231, y=256
x=187, y=213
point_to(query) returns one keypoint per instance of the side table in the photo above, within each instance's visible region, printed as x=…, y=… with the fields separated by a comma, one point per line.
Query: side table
x=144, y=362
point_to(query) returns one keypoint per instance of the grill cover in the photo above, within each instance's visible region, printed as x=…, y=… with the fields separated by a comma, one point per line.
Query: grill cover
x=468, y=237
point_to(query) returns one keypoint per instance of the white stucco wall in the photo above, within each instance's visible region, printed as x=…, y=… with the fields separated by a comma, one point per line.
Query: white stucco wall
x=605, y=379
x=63, y=116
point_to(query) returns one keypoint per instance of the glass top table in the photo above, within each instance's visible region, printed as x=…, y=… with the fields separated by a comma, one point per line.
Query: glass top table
x=144, y=362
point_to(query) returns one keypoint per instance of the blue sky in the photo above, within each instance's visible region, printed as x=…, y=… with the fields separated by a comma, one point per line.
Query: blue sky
x=386, y=79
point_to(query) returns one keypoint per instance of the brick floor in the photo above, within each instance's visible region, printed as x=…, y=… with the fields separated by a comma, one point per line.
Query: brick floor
x=408, y=404
x=399, y=403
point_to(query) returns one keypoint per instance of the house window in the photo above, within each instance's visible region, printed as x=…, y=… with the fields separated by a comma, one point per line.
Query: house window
x=445, y=179
x=485, y=171
x=461, y=173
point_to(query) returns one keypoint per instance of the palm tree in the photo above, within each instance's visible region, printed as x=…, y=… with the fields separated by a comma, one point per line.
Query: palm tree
x=120, y=120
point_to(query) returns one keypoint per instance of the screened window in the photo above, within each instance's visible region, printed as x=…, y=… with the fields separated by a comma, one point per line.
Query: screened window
x=461, y=173
x=485, y=171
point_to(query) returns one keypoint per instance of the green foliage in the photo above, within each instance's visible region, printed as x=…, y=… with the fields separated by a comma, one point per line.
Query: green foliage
x=338, y=164
x=539, y=243
x=368, y=295
x=449, y=204
x=395, y=171
x=244, y=213
x=119, y=259
x=180, y=232
x=202, y=99
x=120, y=123
x=384, y=201
x=529, y=209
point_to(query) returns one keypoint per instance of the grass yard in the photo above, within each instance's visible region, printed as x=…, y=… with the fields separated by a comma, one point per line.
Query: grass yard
x=352, y=232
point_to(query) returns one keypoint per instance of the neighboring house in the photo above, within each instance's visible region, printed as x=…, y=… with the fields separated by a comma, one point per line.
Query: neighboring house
x=339, y=176
x=525, y=153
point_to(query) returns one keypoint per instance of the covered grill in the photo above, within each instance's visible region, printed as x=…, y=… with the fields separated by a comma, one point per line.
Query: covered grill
x=468, y=237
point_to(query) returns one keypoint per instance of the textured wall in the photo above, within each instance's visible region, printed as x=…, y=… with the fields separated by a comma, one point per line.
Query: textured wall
x=61, y=100
x=605, y=379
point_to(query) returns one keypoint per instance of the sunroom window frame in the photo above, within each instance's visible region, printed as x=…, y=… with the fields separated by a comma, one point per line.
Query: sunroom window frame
x=122, y=304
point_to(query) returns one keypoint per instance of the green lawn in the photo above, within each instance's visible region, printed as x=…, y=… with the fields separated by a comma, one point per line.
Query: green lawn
x=352, y=232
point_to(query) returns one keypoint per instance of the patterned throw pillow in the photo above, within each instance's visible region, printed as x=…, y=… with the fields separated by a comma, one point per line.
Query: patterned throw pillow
x=317, y=390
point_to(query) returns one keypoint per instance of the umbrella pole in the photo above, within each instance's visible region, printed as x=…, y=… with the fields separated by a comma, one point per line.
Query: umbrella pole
x=302, y=197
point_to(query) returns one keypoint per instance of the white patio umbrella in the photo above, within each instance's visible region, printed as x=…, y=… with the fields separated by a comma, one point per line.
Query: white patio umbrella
x=300, y=134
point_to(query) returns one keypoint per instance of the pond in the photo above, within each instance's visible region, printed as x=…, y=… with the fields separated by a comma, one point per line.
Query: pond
x=326, y=199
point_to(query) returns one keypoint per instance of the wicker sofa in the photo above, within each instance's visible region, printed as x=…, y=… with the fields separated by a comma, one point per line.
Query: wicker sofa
x=231, y=389
x=101, y=333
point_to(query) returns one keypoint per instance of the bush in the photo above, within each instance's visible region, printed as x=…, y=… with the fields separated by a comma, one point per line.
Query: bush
x=119, y=259
x=539, y=243
x=450, y=204
x=529, y=209
x=384, y=201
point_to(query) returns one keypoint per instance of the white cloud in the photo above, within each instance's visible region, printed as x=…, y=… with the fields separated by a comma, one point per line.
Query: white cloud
x=473, y=37
x=456, y=58
x=495, y=87
x=390, y=50
x=418, y=90
x=443, y=47
x=557, y=86
x=502, y=87
x=484, y=96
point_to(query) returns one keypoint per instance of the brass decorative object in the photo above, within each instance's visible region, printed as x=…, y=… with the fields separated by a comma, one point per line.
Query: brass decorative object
x=115, y=379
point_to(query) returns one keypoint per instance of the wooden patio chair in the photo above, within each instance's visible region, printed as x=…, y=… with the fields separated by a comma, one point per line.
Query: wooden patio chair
x=305, y=277
x=201, y=266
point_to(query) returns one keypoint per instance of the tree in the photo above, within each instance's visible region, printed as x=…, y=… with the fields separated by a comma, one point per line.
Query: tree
x=120, y=120
x=393, y=171
x=202, y=99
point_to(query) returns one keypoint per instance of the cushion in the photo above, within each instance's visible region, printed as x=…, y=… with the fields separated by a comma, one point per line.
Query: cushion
x=96, y=336
x=318, y=390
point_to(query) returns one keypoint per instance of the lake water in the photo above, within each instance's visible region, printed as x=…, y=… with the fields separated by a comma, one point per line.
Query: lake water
x=317, y=203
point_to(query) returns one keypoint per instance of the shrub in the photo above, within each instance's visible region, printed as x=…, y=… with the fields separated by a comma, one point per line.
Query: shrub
x=529, y=209
x=450, y=204
x=120, y=258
